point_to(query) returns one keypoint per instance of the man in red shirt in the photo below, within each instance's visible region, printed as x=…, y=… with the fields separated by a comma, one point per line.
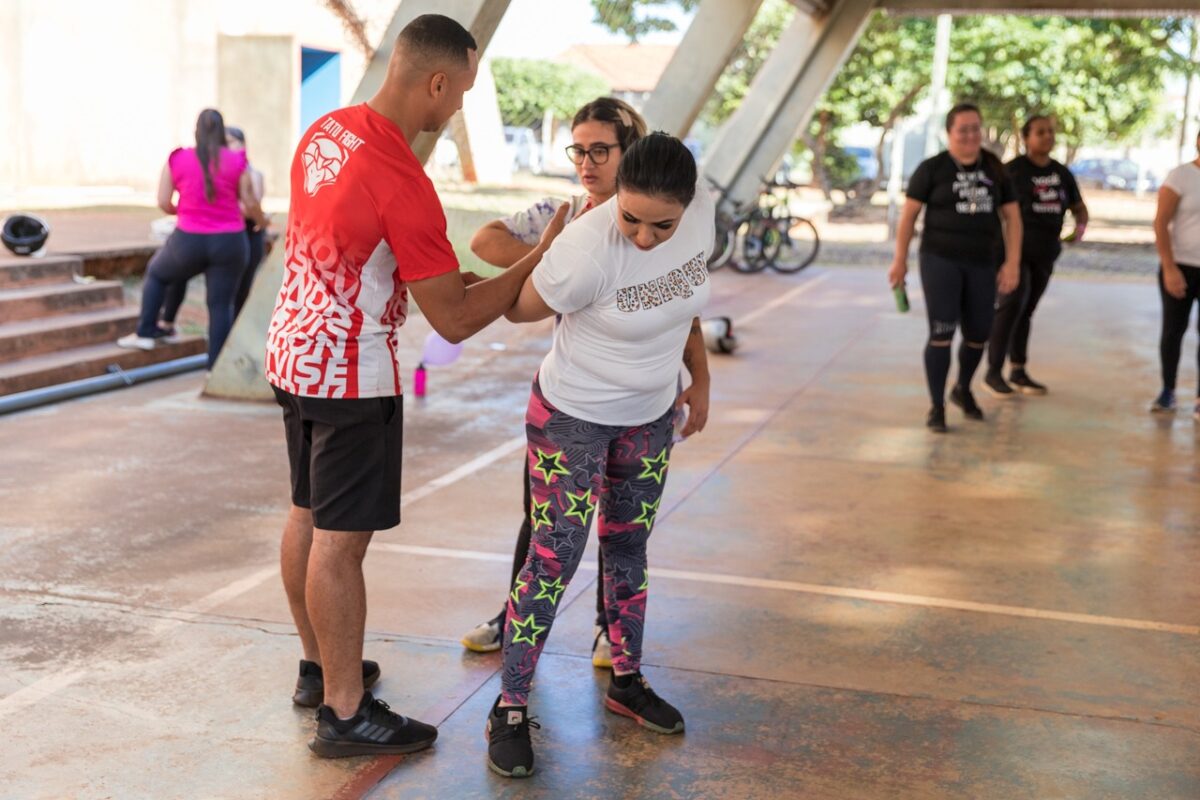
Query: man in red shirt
x=365, y=229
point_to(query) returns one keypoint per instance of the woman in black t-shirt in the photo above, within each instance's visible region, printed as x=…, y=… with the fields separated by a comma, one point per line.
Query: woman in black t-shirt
x=968, y=194
x=1046, y=190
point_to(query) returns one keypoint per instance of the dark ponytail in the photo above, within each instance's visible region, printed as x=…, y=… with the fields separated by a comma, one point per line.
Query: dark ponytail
x=992, y=164
x=210, y=138
x=661, y=166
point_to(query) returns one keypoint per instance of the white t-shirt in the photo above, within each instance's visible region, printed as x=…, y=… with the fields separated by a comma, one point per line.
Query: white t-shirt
x=1184, y=181
x=626, y=314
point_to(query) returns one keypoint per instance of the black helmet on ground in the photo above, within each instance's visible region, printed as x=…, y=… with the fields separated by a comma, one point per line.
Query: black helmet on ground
x=25, y=234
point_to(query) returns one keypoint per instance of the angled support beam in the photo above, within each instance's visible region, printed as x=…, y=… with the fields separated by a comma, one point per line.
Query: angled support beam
x=480, y=17
x=781, y=98
x=238, y=373
x=688, y=81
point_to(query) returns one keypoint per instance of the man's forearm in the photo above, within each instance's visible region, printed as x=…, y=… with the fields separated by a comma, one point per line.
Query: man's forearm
x=484, y=302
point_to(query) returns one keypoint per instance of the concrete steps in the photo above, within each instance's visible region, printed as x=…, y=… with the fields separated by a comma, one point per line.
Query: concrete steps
x=55, y=329
x=78, y=363
x=50, y=334
x=27, y=272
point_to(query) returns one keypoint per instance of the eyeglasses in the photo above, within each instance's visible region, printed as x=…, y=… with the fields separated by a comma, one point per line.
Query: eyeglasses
x=598, y=153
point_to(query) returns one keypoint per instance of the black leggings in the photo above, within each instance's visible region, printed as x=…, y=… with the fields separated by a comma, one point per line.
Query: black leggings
x=176, y=292
x=957, y=293
x=220, y=256
x=1176, y=312
x=1010, y=330
x=522, y=553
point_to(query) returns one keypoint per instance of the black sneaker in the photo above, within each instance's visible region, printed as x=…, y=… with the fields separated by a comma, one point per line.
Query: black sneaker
x=638, y=700
x=374, y=730
x=966, y=401
x=1025, y=384
x=936, y=419
x=996, y=384
x=310, y=686
x=510, y=753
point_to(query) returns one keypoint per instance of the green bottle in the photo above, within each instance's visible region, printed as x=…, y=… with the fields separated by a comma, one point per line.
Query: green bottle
x=901, y=298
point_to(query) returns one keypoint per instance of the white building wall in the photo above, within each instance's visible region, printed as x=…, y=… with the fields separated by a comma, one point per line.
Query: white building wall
x=96, y=94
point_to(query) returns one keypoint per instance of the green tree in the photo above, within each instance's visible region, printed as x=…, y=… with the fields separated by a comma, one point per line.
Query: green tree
x=881, y=80
x=1101, y=78
x=527, y=88
x=622, y=16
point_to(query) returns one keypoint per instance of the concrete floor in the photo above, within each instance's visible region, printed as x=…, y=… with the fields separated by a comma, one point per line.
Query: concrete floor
x=843, y=605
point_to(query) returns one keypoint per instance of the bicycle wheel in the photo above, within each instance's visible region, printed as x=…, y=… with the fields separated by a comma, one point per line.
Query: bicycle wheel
x=723, y=248
x=798, y=246
x=748, y=255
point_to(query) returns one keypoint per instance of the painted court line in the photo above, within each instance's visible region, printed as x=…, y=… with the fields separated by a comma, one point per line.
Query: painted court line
x=871, y=595
x=783, y=299
x=474, y=465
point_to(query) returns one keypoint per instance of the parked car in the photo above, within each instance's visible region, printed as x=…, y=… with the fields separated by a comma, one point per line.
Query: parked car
x=868, y=169
x=1112, y=173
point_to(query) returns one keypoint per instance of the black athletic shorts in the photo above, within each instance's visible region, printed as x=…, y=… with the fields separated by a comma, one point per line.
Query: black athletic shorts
x=345, y=459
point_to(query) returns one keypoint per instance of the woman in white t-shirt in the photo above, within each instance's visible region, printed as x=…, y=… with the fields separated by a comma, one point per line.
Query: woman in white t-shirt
x=601, y=132
x=1177, y=236
x=629, y=280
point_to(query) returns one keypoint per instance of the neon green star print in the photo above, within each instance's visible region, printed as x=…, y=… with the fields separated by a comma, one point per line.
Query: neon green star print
x=550, y=591
x=648, y=512
x=645, y=581
x=550, y=464
x=527, y=631
x=581, y=506
x=655, y=467
x=540, y=514
x=516, y=592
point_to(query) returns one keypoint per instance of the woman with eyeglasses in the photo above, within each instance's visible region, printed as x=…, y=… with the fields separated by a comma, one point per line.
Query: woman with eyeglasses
x=601, y=132
x=970, y=205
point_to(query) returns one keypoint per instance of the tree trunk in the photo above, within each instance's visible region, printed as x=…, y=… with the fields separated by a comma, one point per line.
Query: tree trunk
x=867, y=190
x=818, y=145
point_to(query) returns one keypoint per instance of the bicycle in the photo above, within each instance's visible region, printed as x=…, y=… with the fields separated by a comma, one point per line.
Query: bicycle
x=764, y=233
x=740, y=230
x=790, y=242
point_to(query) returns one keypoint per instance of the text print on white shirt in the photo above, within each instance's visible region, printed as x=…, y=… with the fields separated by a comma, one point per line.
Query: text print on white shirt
x=665, y=288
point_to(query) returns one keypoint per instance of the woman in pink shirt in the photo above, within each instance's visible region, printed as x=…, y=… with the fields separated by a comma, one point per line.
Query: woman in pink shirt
x=210, y=236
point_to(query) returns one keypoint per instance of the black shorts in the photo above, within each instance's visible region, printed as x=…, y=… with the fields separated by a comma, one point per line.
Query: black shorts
x=345, y=459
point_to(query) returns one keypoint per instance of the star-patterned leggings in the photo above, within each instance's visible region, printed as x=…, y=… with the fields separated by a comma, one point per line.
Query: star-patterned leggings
x=575, y=466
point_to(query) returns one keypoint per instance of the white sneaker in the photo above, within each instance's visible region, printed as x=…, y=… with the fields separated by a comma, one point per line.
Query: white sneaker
x=601, y=648
x=135, y=342
x=485, y=637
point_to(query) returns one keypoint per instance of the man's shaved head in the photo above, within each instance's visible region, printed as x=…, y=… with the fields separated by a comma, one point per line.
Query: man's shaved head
x=432, y=42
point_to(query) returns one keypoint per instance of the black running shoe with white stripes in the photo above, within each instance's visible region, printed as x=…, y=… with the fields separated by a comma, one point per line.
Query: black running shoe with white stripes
x=374, y=730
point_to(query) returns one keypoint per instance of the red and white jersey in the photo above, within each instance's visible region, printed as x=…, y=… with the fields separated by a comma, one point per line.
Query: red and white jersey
x=364, y=222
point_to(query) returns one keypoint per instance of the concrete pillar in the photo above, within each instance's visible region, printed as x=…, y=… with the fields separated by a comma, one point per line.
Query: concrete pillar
x=781, y=98
x=715, y=33
x=480, y=17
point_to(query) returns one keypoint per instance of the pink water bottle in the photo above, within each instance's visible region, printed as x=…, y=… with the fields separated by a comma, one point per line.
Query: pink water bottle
x=419, y=380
